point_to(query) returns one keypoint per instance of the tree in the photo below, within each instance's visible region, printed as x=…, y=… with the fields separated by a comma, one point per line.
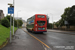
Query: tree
x=64, y=16
x=68, y=15
x=71, y=16
x=57, y=24
x=20, y=22
x=5, y=22
x=8, y=17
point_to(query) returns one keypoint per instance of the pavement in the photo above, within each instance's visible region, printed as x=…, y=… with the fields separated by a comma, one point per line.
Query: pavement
x=62, y=31
x=59, y=30
x=22, y=41
x=50, y=40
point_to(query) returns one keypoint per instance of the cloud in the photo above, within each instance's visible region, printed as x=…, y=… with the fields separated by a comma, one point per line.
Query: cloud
x=30, y=7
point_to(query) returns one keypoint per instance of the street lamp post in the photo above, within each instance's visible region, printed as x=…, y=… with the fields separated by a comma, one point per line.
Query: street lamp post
x=17, y=17
x=52, y=20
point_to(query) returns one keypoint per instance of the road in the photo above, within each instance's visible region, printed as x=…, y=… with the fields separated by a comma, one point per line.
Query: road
x=24, y=40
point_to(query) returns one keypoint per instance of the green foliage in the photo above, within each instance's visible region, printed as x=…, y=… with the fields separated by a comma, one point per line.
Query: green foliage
x=57, y=24
x=71, y=16
x=8, y=17
x=61, y=22
x=0, y=21
x=49, y=26
x=20, y=23
x=5, y=22
x=3, y=34
x=15, y=23
x=64, y=16
x=68, y=15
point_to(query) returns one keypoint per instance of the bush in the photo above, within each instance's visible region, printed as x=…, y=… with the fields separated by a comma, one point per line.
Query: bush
x=5, y=22
x=20, y=23
x=15, y=23
x=8, y=17
x=49, y=26
x=0, y=21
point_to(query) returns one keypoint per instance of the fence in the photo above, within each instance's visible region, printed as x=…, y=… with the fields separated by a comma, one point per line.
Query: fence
x=72, y=28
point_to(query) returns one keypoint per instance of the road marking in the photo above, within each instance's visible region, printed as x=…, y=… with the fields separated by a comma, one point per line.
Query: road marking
x=45, y=48
x=37, y=39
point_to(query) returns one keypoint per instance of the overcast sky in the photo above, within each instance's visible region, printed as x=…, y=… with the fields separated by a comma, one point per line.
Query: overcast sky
x=27, y=8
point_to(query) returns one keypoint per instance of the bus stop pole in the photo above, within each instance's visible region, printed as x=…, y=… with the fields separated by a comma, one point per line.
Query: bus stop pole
x=13, y=19
x=10, y=28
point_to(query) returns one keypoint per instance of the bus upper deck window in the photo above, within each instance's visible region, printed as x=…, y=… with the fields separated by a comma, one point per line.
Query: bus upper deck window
x=41, y=16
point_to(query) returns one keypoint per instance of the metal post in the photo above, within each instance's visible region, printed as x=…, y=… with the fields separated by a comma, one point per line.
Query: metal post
x=10, y=28
x=13, y=24
x=13, y=19
x=17, y=23
x=52, y=21
x=17, y=20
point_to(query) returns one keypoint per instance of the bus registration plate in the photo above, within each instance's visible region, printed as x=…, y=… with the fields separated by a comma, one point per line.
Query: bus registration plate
x=41, y=28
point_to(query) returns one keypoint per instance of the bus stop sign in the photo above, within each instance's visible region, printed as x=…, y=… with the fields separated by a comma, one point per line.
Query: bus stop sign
x=10, y=10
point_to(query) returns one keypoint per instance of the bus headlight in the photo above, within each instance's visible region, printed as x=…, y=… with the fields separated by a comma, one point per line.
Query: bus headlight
x=43, y=28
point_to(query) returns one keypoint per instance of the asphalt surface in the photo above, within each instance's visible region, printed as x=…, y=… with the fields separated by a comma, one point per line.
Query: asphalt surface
x=55, y=40
x=22, y=41
x=61, y=31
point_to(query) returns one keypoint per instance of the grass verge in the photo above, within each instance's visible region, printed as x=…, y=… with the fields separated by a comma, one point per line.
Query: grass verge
x=5, y=33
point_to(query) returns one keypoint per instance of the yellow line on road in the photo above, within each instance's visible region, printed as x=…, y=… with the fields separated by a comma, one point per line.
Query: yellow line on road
x=37, y=39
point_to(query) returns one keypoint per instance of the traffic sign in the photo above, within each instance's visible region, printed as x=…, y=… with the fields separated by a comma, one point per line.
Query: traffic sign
x=10, y=10
x=66, y=22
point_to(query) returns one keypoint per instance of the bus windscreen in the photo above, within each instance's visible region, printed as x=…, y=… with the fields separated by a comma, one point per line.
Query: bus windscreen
x=41, y=23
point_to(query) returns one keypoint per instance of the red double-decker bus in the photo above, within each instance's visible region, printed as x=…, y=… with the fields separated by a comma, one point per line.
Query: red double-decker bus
x=37, y=23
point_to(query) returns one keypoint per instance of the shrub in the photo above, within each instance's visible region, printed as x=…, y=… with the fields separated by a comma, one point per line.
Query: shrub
x=49, y=26
x=20, y=23
x=5, y=22
x=8, y=17
x=0, y=21
x=15, y=23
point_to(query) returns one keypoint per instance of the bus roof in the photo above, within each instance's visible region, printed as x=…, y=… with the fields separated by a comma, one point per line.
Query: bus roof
x=36, y=14
x=40, y=14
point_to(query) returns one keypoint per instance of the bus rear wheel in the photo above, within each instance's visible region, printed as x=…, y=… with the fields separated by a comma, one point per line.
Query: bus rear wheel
x=32, y=31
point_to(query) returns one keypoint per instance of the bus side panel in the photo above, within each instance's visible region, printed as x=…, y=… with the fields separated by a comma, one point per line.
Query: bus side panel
x=35, y=26
x=30, y=25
